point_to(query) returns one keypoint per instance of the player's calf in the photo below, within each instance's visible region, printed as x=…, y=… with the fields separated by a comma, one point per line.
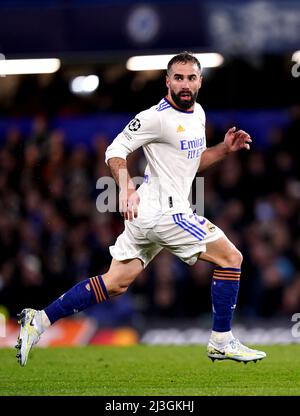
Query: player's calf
x=34, y=323
x=81, y=296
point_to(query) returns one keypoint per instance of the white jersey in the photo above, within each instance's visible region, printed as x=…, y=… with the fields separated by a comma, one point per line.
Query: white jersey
x=173, y=141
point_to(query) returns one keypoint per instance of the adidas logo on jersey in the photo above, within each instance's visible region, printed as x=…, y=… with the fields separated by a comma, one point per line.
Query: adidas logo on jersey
x=180, y=129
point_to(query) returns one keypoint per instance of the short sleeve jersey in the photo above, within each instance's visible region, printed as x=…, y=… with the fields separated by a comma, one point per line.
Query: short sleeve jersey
x=173, y=141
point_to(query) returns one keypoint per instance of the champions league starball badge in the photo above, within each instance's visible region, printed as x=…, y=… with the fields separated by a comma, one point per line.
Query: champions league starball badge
x=134, y=125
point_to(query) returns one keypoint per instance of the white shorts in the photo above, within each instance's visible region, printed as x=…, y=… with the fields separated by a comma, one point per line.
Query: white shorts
x=184, y=235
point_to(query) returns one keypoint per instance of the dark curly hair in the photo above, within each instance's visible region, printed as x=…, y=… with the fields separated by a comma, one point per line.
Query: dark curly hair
x=183, y=58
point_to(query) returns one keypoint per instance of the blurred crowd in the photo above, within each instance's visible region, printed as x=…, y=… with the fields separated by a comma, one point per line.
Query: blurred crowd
x=52, y=235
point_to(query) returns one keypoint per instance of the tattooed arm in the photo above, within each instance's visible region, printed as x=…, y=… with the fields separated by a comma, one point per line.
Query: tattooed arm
x=128, y=197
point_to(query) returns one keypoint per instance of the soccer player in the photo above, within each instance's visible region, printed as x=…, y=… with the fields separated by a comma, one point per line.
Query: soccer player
x=158, y=214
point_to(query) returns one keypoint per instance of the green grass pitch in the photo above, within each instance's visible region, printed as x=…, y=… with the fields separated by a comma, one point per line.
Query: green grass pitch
x=148, y=371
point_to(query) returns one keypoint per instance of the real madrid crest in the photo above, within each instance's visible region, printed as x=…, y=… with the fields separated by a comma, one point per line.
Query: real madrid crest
x=211, y=227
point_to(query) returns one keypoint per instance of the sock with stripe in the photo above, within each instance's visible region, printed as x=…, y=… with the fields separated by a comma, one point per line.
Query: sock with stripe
x=224, y=292
x=78, y=298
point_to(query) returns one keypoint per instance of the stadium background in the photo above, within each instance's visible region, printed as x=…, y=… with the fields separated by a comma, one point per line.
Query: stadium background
x=52, y=145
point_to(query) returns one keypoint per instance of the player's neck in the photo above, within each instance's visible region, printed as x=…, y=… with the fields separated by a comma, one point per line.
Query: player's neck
x=171, y=101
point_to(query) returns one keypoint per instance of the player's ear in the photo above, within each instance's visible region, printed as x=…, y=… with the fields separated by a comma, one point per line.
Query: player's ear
x=200, y=81
x=167, y=81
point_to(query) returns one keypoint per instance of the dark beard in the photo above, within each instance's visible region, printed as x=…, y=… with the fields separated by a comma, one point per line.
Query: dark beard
x=183, y=104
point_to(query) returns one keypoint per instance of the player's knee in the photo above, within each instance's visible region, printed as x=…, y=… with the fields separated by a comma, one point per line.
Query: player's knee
x=117, y=290
x=235, y=258
x=114, y=284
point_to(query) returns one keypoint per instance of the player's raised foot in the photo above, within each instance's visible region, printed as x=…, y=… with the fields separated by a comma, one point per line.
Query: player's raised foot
x=234, y=350
x=29, y=334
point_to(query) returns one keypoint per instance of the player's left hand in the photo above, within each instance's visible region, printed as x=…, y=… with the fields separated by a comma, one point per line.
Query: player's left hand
x=237, y=140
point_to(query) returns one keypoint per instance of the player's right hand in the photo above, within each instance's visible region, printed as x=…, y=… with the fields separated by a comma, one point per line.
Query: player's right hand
x=128, y=203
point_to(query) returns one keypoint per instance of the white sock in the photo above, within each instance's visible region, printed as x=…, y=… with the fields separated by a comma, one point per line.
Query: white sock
x=42, y=321
x=221, y=338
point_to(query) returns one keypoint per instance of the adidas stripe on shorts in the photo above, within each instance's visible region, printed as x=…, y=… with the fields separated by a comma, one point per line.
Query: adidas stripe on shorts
x=184, y=234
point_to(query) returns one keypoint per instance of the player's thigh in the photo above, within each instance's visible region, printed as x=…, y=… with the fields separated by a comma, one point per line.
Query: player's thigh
x=121, y=274
x=223, y=253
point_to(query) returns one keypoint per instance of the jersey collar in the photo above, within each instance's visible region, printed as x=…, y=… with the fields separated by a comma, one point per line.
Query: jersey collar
x=178, y=109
